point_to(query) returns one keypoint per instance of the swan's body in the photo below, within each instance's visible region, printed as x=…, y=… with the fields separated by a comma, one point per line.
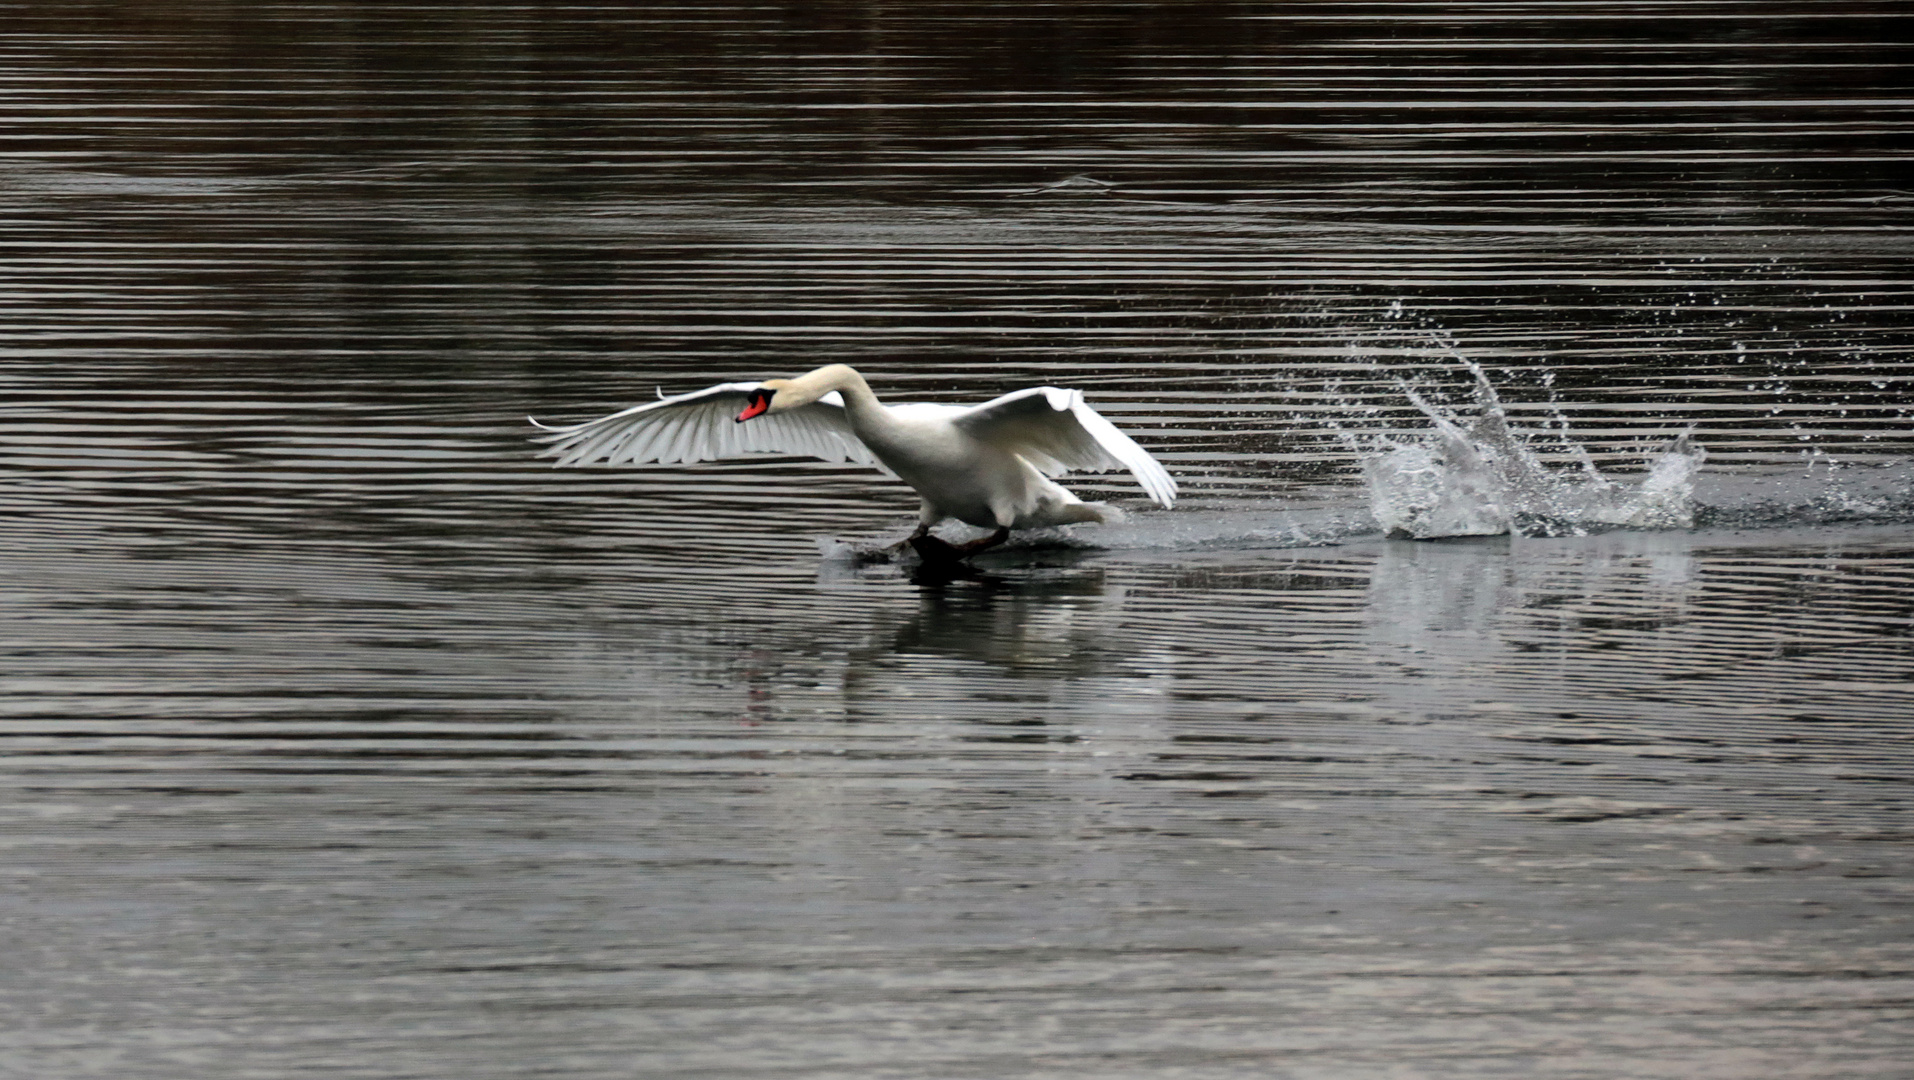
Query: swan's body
x=986, y=465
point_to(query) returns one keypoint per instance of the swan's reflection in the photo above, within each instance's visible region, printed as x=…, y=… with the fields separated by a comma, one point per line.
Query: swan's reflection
x=1055, y=621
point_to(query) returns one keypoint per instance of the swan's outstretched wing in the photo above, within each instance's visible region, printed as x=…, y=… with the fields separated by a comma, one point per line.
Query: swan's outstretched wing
x=702, y=426
x=1057, y=431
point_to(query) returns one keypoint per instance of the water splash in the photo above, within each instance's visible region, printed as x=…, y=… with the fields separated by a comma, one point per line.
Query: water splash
x=1476, y=475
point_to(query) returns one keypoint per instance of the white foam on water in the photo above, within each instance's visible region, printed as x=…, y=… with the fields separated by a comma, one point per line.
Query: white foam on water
x=1477, y=475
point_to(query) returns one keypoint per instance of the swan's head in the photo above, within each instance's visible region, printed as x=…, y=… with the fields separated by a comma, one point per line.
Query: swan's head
x=759, y=402
x=777, y=395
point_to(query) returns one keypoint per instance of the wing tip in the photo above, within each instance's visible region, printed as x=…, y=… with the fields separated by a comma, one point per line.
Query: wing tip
x=547, y=432
x=1163, y=490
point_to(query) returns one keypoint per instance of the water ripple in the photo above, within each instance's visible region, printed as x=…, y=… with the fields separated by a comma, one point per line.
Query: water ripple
x=343, y=733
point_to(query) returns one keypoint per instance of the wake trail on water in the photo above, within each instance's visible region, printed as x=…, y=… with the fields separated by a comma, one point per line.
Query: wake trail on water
x=1474, y=472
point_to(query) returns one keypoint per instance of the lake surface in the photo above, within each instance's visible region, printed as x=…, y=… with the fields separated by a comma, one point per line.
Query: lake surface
x=340, y=734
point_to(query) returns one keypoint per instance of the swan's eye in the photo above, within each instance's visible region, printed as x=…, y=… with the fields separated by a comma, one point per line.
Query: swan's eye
x=759, y=401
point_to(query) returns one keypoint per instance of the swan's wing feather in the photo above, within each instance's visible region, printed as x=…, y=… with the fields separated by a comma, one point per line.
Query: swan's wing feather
x=1057, y=431
x=702, y=426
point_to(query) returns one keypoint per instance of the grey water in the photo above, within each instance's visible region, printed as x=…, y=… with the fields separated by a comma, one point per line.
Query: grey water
x=340, y=735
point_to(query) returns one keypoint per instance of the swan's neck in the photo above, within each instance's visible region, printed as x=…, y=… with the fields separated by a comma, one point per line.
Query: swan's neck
x=861, y=405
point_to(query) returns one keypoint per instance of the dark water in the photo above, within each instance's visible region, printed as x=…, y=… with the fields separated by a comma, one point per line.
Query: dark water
x=341, y=736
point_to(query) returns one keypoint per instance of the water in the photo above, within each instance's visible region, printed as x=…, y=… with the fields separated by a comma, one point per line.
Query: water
x=1476, y=475
x=342, y=733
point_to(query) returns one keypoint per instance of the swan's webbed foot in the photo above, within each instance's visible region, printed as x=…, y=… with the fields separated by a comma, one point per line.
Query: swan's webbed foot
x=889, y=552
x=936, y=550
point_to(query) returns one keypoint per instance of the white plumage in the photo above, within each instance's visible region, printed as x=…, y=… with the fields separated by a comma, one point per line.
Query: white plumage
x=701, y=426
x=987, y=465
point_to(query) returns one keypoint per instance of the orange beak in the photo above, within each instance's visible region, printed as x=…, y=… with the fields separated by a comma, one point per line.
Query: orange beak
x=760, y=401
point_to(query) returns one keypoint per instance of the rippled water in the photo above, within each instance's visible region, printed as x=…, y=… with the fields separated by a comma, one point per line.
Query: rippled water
x=342, y=734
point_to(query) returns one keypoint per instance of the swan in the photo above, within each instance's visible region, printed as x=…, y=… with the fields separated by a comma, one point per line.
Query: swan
x=986, y=465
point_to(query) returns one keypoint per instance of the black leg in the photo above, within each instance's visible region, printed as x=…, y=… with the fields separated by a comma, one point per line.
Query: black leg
x=934, y=550
x=985, y=543
x=889, y=551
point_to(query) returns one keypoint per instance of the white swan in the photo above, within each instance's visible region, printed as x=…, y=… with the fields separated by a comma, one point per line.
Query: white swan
x=985, y=465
